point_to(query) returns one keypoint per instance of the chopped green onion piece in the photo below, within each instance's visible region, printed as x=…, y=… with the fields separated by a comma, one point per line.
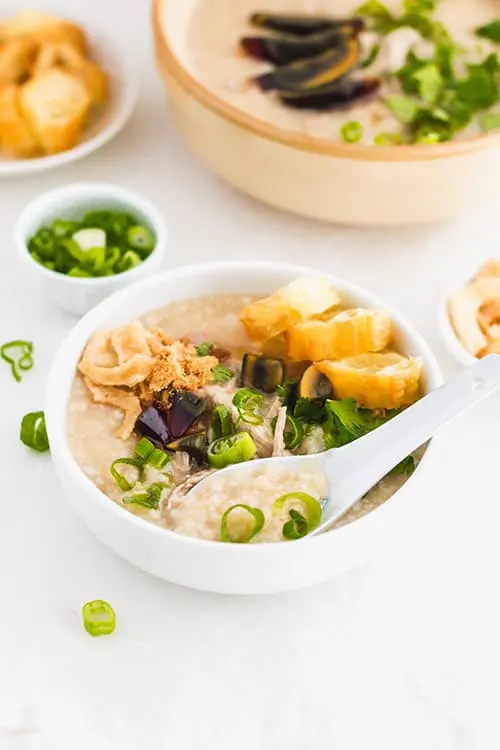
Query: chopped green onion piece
x=490, y=121
x=79, y=273
x=258, y=524
x=23, y=360
x=113, y=255
x=427, y=137
x=44, y=243
x=129, y=260
x=148, y=498
x=98, y=618
x=158, y=459
x=140, y=238
x=388, y=139
x=123, y=483
x=248, y=402
x=352, y=131
x=296, y=527
x=63, y=228
x=203, y=350
x=144, y=448
x=90, y=238
x=33, y=431
x=294, y=433
x=308, y=503
x=234, y=449
x=222, y=424
x=222, y=374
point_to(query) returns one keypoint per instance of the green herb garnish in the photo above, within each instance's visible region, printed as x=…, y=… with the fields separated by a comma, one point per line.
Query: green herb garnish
x=298, y=526
x=234, y=449
x=203, y=350
x=352, y=131
x=222, y=424
x=19, y=355
x=490, y=31
x=149, y=497
x=257, y=517
x=248, y=402
x=34, y=432
x=98, y=618
x=102, y=243
x=222, y=374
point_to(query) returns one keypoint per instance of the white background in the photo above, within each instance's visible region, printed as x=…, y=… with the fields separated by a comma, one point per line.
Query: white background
x=401, y=654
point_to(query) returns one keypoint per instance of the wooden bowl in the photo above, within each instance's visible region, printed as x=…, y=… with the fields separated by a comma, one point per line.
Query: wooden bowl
x=328, y=180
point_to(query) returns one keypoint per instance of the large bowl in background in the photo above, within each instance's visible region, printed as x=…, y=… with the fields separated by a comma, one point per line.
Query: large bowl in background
x=347, y=183
x=199, y=564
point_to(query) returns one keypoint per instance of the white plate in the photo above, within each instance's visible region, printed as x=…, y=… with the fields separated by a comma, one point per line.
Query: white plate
x=105, y=124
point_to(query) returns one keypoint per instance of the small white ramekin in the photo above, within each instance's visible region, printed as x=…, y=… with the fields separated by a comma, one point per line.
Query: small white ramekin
x=75, y=295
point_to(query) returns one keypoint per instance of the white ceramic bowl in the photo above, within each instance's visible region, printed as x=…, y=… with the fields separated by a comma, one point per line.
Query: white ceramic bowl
x=76, y=295
x=198, y=564
x=106, y=123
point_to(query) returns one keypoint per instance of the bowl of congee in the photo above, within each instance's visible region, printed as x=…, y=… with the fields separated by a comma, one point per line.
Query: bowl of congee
x=373, y=113
x=165, y=385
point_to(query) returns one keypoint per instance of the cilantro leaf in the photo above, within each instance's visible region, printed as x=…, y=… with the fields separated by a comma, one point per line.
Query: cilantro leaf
x=382, y=20
x=490, y=31
x=203, y=350
x=479, y=90
x=309, y=410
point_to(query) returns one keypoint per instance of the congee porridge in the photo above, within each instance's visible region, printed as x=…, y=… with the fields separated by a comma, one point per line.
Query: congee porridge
x=396, y=72
x=161, y=403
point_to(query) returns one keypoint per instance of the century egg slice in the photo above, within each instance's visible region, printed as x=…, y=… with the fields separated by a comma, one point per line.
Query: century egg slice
x=335, y=95
x=303, y=25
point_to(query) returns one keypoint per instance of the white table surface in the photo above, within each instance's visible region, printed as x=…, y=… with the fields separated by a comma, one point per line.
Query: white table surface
x=401, y=654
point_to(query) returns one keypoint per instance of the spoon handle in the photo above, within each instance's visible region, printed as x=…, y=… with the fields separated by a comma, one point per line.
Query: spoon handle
x=358, y=466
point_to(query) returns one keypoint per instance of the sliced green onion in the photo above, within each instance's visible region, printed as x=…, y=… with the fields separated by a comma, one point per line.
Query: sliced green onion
x=388, y=139
x=222, y=424
x=23, y=360
x=129, y=260
x=258, y=524
x=98, y=618
x=44, y=243
x=294, y=433
x=158, y=459
x=149, y=497
x=141, y=238
x=352, y=131
x=308, y=503
x=203, y=350
x=63, y=228
x=297, y=527
x=248, y=402
x=144, y=449
x=79, y=273
x=97, y=245
x=123, y=483
x=33, y=431
x=222, y=374
x=231, y=450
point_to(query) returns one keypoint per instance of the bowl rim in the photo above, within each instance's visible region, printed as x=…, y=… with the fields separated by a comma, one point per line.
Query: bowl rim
x=78, y=191
x=55, y=412
x=168, y=59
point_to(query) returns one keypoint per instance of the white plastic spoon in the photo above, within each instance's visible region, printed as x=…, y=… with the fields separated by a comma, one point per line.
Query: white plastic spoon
x=352, y=470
